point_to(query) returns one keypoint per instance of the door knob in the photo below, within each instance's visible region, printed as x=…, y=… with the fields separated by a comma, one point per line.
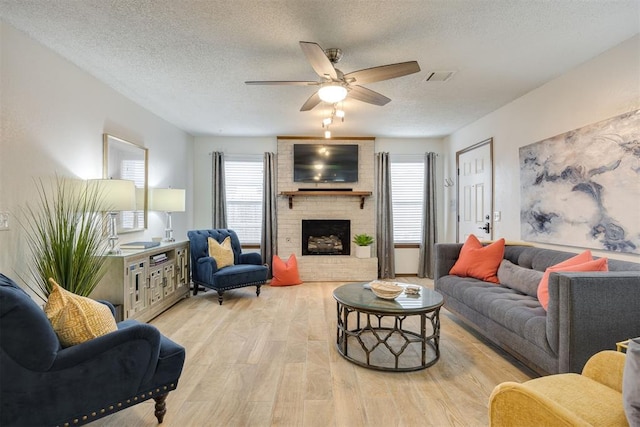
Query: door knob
x=486, y=228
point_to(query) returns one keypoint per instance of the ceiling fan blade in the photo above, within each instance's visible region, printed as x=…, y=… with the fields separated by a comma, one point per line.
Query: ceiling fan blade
x=367, y=95
x=311, y=102
x=318, y=60
x=288, y=83
x=383, y=72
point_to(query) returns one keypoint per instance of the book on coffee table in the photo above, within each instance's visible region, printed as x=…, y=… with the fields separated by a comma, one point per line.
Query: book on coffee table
x=139, y=245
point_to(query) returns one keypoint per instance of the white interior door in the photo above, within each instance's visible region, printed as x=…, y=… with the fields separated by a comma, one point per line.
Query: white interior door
x=475, y=191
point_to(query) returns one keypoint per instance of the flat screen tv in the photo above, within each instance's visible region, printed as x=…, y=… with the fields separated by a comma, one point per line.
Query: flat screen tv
x=325, y=163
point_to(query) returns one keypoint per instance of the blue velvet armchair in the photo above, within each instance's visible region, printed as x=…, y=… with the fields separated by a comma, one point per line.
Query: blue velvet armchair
x=247, y=270
x=43, y=384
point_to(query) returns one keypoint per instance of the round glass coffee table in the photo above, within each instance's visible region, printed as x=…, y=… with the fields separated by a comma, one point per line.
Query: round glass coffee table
x=385, y=334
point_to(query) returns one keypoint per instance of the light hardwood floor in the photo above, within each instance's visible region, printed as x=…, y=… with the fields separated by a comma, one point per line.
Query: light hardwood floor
x=271, y=361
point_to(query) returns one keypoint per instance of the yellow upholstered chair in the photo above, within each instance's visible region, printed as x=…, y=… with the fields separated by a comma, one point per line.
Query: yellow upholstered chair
x=593, y=398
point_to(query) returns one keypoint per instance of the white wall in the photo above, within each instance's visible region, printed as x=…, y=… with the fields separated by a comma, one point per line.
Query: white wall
x=406, y=259
x=603, y=87
x=53, y=118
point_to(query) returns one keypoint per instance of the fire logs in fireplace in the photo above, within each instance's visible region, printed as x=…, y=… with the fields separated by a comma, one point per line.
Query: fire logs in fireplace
x=326, y=237
x=325, y=244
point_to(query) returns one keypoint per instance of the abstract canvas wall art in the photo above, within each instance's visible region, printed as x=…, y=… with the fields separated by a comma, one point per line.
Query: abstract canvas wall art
x=582, y=188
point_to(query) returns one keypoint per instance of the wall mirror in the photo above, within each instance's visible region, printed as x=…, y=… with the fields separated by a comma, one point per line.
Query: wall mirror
x=126, y=160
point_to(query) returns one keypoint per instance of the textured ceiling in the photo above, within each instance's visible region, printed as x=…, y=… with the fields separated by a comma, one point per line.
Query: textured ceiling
x=187, y=60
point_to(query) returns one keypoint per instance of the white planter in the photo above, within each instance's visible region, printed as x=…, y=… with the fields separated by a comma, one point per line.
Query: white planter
x=363, y=251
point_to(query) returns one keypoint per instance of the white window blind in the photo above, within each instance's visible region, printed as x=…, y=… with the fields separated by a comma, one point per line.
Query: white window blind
x=132, y=170
x=407, y=192
x=243, y=185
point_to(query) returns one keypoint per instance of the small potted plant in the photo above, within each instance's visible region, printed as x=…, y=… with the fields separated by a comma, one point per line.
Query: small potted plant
x=363, y=242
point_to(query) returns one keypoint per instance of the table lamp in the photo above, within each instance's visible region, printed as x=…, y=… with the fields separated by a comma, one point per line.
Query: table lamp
x=117, y=195
x=167, y=200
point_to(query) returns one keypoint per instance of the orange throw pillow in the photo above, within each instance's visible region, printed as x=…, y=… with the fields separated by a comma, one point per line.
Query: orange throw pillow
x=479, y=262
x=543, y=286
x=600, y=264
x=285, y=273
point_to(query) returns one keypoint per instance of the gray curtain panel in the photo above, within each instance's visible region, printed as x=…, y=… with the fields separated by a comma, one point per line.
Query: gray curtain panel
x=218, y=194
x=384, y=218
x=429, y=222
x=269, y=239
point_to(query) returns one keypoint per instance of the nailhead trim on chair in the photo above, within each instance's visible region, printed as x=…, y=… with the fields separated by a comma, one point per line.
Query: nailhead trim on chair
x=127, y=403
x=226, y=288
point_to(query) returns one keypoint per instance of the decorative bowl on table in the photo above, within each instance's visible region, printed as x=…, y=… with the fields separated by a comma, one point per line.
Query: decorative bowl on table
x=386, y=290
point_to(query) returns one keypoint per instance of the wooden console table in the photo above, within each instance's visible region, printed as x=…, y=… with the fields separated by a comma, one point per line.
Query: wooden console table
x=325, y=193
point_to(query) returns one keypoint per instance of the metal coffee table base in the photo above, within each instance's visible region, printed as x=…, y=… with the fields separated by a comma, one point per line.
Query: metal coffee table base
x=390, y=340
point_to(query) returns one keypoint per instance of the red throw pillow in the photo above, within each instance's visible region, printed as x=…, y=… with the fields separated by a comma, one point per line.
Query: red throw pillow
x=543, y=286
x=600, y=264
x=285, y=273
x=479, y=262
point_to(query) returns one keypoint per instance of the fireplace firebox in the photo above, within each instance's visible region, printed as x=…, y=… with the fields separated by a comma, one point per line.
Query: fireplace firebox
x=326, y=237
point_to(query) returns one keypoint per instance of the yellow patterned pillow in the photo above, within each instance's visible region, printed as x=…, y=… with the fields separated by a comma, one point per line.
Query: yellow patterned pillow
x=222, y=253
x=77, y=319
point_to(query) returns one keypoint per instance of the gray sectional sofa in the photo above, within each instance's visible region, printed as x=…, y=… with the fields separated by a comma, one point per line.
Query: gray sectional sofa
x=587, y=312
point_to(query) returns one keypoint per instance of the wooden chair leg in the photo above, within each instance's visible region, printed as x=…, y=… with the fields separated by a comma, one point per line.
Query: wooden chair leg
x=220, y=297
x=161, y=407
x=258, y=290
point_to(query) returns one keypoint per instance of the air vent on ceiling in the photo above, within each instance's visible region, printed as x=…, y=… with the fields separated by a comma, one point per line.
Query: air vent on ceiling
x=439, y=76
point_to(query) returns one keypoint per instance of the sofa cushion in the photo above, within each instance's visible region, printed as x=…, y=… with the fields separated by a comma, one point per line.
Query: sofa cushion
x=519, y=313
x=240, y=275
x=285, y=273
x=543, y=287
x=631, y=383
x=221, y=252
x=521, y=279
x=479, y=262
x=77, y=319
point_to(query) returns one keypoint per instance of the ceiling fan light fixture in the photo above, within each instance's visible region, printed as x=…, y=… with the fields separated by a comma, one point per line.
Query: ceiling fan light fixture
x=332, y=93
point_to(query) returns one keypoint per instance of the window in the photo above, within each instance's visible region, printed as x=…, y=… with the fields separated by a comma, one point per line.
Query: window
x=243, y=185
x=132, y=170
x=407, y=192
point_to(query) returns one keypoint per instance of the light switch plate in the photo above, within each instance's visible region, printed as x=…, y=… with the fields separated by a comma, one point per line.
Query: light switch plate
x=4, y=221
x=497, y=215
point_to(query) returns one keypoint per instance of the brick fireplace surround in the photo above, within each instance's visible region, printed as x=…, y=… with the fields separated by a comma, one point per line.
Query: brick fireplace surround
x=318, y=267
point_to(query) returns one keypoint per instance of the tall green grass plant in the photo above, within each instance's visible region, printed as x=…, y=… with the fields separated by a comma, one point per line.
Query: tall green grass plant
x=64, y=235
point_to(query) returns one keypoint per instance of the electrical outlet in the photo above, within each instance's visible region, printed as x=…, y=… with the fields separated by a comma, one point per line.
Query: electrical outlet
x=4, y=221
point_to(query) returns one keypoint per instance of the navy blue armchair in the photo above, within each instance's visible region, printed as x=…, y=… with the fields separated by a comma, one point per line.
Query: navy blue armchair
x=43, y=384
x=248, y=269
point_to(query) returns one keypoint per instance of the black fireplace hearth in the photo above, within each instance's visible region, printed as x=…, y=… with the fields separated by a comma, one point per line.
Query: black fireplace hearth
x=326, y=237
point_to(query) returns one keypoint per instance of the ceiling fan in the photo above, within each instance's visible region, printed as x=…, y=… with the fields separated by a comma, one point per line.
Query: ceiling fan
x=336, y=86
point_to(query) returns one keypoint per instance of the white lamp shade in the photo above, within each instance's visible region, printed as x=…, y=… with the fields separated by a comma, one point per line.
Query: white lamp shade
x=332, y=93
x=167, y=199
x=116, y=194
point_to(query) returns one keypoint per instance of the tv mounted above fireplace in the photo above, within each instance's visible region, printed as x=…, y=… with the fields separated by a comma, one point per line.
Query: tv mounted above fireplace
x=325, y=163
